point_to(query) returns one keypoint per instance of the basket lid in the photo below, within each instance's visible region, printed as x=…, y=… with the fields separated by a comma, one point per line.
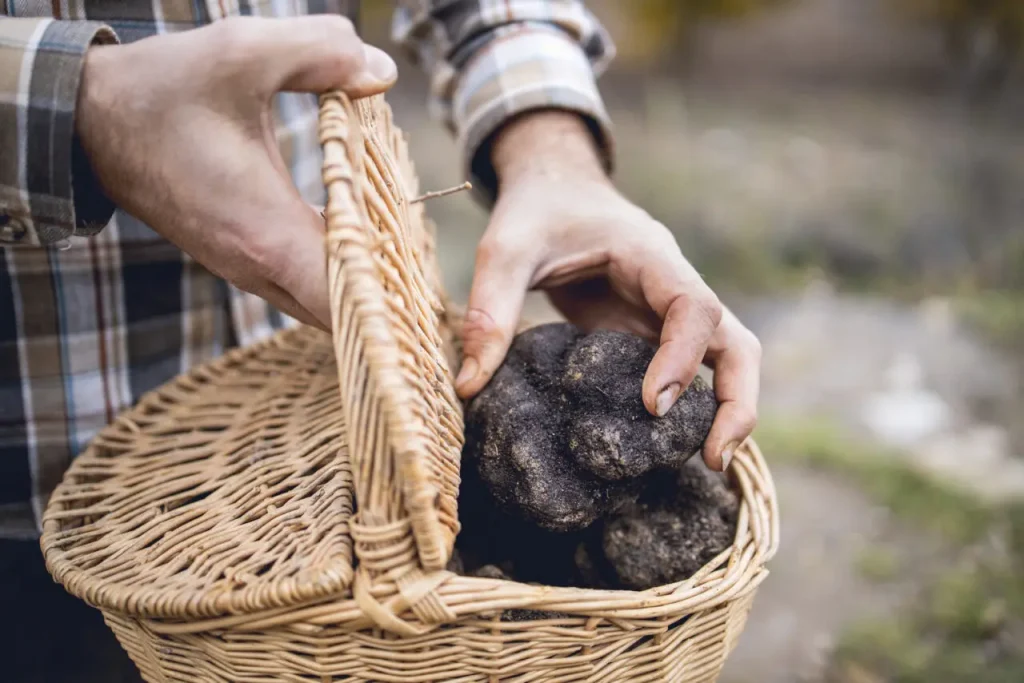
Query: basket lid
x=255, y=481
x=405, y=421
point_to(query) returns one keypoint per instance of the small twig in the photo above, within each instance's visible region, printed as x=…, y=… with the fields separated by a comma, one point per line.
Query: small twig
x=442, y=193
x=429, y=195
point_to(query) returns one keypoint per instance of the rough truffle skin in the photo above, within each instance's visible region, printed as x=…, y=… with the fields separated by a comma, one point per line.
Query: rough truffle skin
x=669, y=534
x=611, y=434
x=560, y=436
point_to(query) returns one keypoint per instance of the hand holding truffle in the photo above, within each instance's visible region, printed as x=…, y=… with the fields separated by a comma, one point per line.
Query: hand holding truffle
x=559, y=225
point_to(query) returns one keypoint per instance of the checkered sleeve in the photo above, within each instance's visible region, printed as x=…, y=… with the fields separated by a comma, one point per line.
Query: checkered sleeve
x=490, y=60
x=47, y=190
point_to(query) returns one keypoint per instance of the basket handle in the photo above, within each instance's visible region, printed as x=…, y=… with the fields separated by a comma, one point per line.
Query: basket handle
x=403, y=420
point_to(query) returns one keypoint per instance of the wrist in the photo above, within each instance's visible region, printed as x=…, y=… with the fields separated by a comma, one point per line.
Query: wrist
x=552, y=143
x=93, y=206
x=89, y=94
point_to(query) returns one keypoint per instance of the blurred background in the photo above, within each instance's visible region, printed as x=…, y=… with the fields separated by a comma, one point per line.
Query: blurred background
x=849, y=176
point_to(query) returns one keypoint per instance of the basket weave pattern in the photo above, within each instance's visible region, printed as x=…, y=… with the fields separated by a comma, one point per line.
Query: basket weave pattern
x=285, y=513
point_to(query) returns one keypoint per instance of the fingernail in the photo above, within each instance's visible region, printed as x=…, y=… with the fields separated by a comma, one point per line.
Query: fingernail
x=467, y=372
x=666, y=399
x=380, y=64
x=727, y=454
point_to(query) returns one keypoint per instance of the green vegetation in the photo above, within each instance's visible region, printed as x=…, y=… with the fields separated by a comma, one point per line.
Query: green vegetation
x=999, y=315
x=968, y=626
x=885, y=476
x=878, y=563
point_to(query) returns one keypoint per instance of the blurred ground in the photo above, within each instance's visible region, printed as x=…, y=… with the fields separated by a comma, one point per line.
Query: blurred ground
x=822, y=168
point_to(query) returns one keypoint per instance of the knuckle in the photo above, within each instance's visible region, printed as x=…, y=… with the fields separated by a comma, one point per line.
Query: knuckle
x=234, y=35
x=661, y=231
x=505, y=252
x=266, y=256
x=491, y=248
x=249, y=283
x=345, y=59
x=746, y=343
x=342, y=48
x=337, y=24
x=479, y=325
x=657, y=237
x=707, y=306
x=245, y=278
x=746, y=419
x=235, y=43
x=754, y=346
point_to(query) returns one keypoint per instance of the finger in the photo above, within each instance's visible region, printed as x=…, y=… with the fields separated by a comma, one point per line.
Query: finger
x=358, y=73
x=736, y=357
x=300, y=265
x=275, y=238
x=690, y=312
x=272, y=294
x=287, y=304
x=309, y=54
x=500, y=281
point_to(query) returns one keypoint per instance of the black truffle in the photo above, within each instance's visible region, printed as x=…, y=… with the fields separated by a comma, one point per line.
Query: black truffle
x=611, y=434
x=531, y=615
x=675, y=528
x=490, y=571
x=560, y=436
x=455, y=564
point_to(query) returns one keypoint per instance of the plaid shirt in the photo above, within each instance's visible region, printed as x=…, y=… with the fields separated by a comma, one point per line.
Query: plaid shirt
x=96, y=308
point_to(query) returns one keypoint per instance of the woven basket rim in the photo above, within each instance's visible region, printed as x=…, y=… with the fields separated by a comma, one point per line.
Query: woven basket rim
x=732, y=575
x=717, y=582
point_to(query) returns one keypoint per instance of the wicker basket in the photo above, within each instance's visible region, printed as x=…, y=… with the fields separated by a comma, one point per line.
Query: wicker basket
x=259, y=520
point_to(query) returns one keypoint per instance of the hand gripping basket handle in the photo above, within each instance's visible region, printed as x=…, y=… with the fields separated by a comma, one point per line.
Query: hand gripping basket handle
x=403, y=419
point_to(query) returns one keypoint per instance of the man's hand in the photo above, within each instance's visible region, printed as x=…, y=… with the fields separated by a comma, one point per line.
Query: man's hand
x=559, y=225
x=178, y=129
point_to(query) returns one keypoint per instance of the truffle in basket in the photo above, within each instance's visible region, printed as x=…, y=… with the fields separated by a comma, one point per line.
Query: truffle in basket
x=681, y=520
x=560, y=436
x=675, y=528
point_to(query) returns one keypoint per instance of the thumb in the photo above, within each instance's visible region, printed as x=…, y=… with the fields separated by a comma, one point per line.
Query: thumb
x=315, y=54
x=496, y=299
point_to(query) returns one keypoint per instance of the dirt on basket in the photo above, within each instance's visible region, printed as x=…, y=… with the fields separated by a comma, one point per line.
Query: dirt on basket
x=568, y=480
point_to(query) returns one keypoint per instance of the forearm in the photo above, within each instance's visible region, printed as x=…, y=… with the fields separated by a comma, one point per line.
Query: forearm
x=549, y=143
x=47, y=192
x=490, y=62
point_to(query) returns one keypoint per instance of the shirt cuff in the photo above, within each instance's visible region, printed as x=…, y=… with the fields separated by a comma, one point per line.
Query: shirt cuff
x=525, y=67
x=48, y=191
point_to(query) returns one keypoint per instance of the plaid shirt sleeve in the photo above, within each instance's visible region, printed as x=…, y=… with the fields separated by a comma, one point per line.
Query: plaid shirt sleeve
x=489, y=60
x=43, y=171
